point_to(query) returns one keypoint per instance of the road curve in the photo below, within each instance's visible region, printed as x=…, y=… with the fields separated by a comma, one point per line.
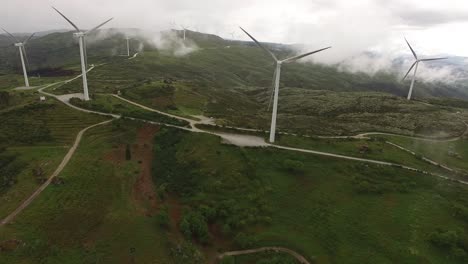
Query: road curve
x=296, y=255
x=262, y=144
x=57, y=171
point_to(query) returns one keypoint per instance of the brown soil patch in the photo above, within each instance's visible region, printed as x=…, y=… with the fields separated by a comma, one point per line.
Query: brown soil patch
x=9, y=245
x=144, y=191
x=219, y=244
x=175, y=216
x=390, y=201
x=117, y=155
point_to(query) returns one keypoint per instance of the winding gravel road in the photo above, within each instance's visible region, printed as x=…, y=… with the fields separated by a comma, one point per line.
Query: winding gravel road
x=293, y=253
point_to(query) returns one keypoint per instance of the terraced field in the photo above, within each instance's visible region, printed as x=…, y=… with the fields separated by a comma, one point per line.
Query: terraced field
x=43, y=123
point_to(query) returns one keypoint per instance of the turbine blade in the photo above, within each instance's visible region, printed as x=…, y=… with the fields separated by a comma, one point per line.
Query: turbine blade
x=304, y=55
x=412, y=66
x=411, y=48
x=28, y=39
x=11, y=36
x=272, y=90
x=433, y=59
x=68, y=20
x=97, y=27
x=260, y=45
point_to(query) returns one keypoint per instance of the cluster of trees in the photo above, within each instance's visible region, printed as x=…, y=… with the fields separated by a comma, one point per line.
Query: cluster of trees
x=24, y=125
x=454, y=242
x=10, y=167
x=5, y=98
x=233, y=199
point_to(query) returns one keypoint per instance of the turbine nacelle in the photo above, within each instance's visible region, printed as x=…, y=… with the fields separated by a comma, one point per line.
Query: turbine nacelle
x=79, y=34
x=19, y=44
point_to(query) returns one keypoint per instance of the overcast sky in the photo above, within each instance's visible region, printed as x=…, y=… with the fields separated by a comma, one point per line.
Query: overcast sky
x=350, y=26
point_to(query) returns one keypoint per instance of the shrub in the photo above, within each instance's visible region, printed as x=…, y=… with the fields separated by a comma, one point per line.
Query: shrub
x=245, y=241
x=293, y=165
x=162, y=218
x=193, y=224
x=187, y=253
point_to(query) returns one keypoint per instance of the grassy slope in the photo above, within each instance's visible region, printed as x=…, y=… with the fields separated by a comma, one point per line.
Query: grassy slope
x=92, y=217
x=237, y=93
x=438, y=151
x=321, y=211
x=43, y=123
x=40, y=135
x=110, y=104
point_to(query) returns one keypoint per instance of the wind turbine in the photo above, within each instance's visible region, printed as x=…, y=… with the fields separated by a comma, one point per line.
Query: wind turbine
x=22, y=52
x=416, y=63
x=80, y=34
x=276, y=79
x=184, y=29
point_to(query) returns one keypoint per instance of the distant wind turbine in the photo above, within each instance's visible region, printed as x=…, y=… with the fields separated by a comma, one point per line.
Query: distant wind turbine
x=184, y=29
x=22, y=52
x=276, y=78
x=82, y=42
x=416, y=63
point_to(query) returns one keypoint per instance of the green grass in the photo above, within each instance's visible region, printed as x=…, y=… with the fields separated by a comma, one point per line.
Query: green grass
x=92, y=217
x=333, y=210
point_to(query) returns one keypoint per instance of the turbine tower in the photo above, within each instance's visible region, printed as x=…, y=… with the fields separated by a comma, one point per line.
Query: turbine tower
x=276, y=79
x=23, y=55
x=416, y=63
x=128, y=46
x=81, y=35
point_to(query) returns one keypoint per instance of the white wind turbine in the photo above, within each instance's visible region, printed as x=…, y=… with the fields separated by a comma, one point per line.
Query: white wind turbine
x=276, y=78
x=184, y=29
x=82, y=42
x=416, y=63
x=22, y=52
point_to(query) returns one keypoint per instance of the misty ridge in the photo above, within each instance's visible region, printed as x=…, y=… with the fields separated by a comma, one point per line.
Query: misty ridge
x=393, y=60
x=369, y=62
